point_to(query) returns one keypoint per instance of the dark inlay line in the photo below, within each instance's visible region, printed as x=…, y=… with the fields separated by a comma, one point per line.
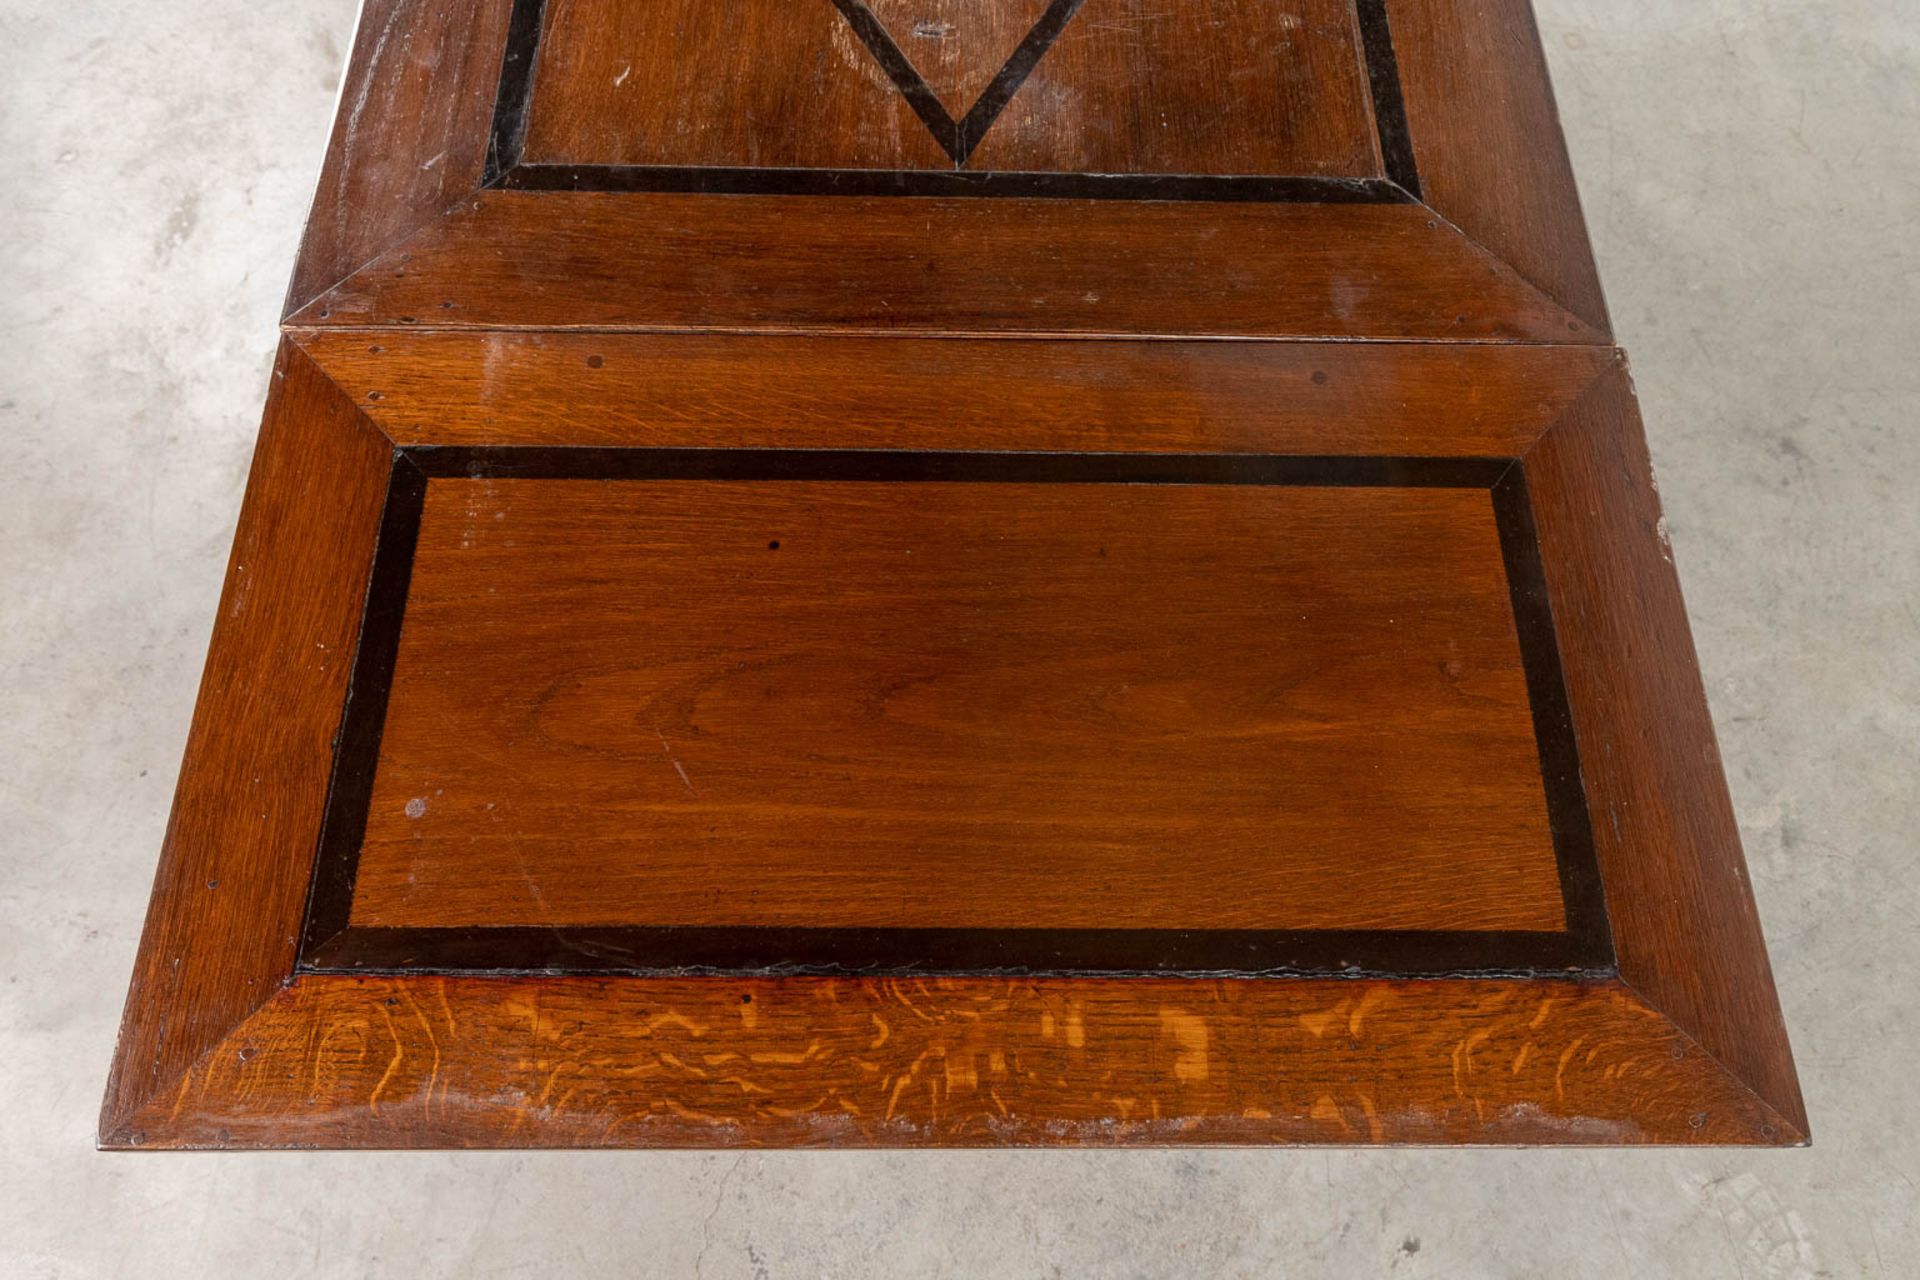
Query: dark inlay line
x=330, y=944
x=893, y=466
x=1013, y=73
x=954, y=182
x=1389, y=106
x=515, y=96
x=357, y=745
x=1567, y=815
x=905, y=76
x=526, y=27
x=746, y=948
x=957, y=139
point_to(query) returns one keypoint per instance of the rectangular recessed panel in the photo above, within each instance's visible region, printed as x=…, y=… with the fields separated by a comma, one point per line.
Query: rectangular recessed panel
x=950, y=711
x=936, y=96
x=626, y=667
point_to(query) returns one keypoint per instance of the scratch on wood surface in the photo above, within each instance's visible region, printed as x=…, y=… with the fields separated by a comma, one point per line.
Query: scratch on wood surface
x=674, y=760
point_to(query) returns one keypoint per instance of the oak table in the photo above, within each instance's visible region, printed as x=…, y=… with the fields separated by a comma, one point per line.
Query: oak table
x=874, y=572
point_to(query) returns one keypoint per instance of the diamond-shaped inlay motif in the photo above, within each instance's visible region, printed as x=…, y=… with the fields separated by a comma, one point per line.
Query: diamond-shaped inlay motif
x=958, y=46
x=1143, y=634
x=957, y=41
x=1198, y=98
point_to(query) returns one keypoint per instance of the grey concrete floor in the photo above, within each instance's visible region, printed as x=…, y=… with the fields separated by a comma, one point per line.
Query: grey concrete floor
x=1752, y=174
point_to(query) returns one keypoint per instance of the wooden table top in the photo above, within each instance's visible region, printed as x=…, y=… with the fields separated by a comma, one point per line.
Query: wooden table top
x=898, y=572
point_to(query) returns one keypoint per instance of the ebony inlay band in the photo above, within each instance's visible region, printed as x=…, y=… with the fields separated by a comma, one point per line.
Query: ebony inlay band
x=1389, y=106
x=356, y=748
x=516, y=462
x=331, y=944
x=1567, y=816
x=742, y=949
x=1217, y=188
x=510, y=105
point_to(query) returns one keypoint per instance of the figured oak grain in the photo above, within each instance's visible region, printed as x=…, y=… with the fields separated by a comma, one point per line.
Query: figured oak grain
x=450, y=292
x=429, y=1061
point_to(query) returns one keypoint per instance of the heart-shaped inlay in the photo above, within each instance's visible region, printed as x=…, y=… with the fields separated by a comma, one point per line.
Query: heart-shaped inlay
x=960, y=48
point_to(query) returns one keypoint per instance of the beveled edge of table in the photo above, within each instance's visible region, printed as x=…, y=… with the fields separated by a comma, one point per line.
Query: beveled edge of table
x=224, y=1045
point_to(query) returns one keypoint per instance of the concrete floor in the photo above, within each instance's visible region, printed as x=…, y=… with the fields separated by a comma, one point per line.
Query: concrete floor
x=1752, y=174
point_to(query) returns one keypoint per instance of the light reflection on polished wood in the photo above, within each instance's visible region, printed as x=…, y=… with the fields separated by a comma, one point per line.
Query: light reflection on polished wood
x=958, y=705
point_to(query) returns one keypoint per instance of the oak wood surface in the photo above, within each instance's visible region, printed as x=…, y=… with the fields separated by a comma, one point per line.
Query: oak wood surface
x=431, y=1061
x=958, y=47
x=412, y=134
x=769, y=83
x=960, y=266
x=1683, y=914
x=538, y=1061
x=1208, y=86
x=1487, y=138
x=465, y=284
x=413, y=131
x=232, y=882
x=847, y=704
x=480, y=387
x=1213, y=86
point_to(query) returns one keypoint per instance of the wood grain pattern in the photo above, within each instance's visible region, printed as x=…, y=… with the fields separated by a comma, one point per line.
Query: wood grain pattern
x=411, y=138
x=901, y=265
x=434, y=1062
x=1683, y=914
x=413, y=131
x=768, y=83
x=693, y=390
x=846, y=704
x=426, y=310
x=1487, y=137
x=1203, y=86
x=1210, y=86
x=232, y=882
x=958, y=46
